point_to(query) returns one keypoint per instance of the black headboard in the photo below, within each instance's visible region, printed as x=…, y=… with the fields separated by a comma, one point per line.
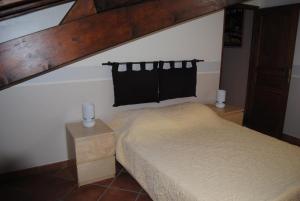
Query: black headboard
x=153, y=81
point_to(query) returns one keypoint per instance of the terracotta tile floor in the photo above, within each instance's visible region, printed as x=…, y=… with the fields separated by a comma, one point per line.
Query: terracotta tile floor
x=61, y=186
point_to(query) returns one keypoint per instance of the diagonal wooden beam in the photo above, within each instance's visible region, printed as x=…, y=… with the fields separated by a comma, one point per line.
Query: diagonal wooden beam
x=103, y=5
x=44, y=51
x=80, y=9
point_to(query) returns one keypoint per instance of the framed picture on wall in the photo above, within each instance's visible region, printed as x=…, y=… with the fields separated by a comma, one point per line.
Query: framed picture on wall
x=233, y=31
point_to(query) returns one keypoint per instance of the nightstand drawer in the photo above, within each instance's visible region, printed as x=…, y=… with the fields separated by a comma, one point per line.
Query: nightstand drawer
x=96, y=170
x=95, y=148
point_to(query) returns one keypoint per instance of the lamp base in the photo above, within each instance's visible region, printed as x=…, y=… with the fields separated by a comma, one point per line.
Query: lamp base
x=89, y=124
x=220, y=105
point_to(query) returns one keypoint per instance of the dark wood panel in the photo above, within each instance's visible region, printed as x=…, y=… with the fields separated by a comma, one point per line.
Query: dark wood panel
x=267, y=103
x=80, y=9
x=9, y=9
x=245, y=6
x=103, y=5
x=41, y=52
x=271, y=63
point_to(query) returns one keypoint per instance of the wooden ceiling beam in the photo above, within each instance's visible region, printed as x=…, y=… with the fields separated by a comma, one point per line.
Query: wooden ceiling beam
x=32, y=55
x=80, y=9
x=103, y=5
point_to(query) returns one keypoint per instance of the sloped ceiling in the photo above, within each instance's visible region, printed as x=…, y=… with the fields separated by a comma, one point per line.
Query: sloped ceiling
x=84, y=33
x=14, y=8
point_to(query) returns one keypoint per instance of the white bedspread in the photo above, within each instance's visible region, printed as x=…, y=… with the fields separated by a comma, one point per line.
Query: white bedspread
x=187, y=153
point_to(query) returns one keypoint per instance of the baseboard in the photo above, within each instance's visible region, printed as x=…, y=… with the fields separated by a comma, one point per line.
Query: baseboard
x=37, y=170
x=291, y=139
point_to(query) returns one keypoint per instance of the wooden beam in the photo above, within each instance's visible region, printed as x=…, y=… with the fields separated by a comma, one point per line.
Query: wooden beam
x=14, y=8
x=80, y=9
x=47, y=50
x=102, y=5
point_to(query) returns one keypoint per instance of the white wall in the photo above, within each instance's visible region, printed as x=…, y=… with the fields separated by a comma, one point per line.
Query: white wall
x=33, y=114
x=292, y=117
x=26, y=24
x=235, y=66
x=271, y=3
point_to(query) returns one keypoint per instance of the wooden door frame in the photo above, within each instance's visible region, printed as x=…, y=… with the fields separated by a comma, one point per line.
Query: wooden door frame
x=252, y=62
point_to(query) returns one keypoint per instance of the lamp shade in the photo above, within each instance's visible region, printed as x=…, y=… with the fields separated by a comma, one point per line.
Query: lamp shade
x=88, y=114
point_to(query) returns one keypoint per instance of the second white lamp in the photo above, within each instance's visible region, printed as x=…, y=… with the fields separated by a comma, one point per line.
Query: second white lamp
x=221, y=98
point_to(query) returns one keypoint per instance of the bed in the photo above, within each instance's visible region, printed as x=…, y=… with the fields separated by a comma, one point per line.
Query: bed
x=186, y=152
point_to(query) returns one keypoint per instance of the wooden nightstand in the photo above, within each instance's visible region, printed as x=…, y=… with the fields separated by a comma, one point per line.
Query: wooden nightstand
x=94, y=151
x=231, y=113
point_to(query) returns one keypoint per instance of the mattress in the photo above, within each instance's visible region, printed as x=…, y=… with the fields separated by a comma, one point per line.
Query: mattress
x=187, y=153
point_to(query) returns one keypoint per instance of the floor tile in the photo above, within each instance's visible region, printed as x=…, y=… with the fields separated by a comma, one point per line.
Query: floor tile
x=85, y=193
x=12, y=194
x=144, y=197
x=104, y=183
x=118, y=195
x=44, y=187
x=68, y=173
x=61, y=185
x=125, y=181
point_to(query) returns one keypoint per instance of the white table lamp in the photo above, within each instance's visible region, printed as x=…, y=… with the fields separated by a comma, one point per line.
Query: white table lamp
x=221, y=98
x=88, y=114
